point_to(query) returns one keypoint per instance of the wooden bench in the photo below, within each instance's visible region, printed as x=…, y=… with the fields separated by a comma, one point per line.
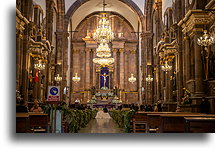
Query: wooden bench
x=139, y=123
x=174, y=123
x=199, y=125
x=38, y=122
x=153, y=120
x=22, y=122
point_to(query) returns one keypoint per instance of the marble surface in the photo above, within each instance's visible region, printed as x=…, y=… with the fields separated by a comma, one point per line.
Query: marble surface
x=101, y=126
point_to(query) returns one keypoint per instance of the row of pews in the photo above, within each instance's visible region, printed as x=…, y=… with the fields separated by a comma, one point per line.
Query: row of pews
x=172, y=122
x=32, y=122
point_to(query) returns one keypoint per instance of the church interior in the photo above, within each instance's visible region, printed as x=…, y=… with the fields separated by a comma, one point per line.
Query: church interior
x=115, y=66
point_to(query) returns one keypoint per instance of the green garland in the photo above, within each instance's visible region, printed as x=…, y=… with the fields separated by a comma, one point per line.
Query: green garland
x=122, y=118
x=79, y=119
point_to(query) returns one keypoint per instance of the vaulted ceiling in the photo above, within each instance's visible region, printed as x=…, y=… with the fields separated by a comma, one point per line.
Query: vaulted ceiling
x=97, y=5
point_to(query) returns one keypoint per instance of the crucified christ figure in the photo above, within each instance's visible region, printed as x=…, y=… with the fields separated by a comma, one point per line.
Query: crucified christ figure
x=104, y=76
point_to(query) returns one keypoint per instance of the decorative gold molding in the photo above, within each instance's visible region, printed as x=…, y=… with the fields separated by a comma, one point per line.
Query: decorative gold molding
x=193, y=18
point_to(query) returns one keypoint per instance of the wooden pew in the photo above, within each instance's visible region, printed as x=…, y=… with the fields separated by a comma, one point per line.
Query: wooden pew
x=140, y=120
x=22, y=122
x=38, y=122
x=139, y=123
x=199, y=124
x=153, y=120
x=174, y=123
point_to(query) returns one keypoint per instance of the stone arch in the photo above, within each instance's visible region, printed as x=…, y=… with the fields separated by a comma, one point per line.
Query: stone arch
x=78, y=3
x=127, y=23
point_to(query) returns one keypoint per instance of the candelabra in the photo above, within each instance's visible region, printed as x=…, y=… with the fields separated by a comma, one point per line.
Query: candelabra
x=206, y=40
x=149, y=79
x=166, y=67
x=132, y=79
x=76, y=79
x=58, y=78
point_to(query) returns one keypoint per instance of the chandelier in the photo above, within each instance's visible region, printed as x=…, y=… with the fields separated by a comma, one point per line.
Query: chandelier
x=132, y=79
x=206, y=40
x=149, y=79
x=103, y=61
x=103, y=51
x=40, y=65
x=166, y=67
x=76, y=79
x=58, y=78
x=103, y=32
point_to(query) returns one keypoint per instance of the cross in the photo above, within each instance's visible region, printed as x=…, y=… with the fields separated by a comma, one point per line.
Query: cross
x=104, y=76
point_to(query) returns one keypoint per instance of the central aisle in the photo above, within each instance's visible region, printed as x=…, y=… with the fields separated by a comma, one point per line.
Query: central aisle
x=101, y=126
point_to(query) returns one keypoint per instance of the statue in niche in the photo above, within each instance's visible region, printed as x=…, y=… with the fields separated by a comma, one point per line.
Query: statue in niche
x=211, y=65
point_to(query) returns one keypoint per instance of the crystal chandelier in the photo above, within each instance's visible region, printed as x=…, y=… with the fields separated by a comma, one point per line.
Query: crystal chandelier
x=166, y=67
x=103, y=61
x=206, y=40
x=103, y=32
x=132, y=79
x=40, y=65
x=103, y=51
x=58, y=78
x=76, y=79
x=149, y=79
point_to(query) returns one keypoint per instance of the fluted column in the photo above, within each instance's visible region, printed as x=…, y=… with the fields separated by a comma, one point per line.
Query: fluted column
x=187, y=58
x=94, y=68
x=198, y=67
x=122, y=73
x=115, y=80
x=18, y=60
x=87, y=71
x=76, y=67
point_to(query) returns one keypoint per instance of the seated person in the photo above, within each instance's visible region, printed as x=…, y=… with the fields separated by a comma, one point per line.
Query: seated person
x=36, y=107
x=21, y=108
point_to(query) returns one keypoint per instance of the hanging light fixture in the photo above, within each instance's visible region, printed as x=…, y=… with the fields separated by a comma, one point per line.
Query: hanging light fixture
x=103, y=51
x=149, y=79
x=40, y=65
x=132, y=79
x=206, y=40
x=76, y=79
x=166, y=67
x=58, y=78
x=103, y=32
x=103, y=61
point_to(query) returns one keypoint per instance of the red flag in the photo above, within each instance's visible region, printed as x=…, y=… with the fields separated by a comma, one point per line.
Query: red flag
x=36, y=79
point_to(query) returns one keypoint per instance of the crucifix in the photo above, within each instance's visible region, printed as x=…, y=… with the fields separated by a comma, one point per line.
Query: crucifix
x=104, y=76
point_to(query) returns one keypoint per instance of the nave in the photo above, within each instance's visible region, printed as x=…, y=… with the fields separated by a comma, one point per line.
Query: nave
x=150, y=64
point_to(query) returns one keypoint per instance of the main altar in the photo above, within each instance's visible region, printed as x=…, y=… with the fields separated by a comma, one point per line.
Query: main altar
x=104, y=96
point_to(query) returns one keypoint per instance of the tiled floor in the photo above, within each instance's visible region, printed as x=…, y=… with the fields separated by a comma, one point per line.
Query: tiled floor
x=101, y=126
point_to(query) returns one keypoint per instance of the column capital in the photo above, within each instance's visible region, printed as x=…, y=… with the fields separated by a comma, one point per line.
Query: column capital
x=75, y=50
x=114, y=49
x=87, y=49
x=133, y=51
x=121, y=50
